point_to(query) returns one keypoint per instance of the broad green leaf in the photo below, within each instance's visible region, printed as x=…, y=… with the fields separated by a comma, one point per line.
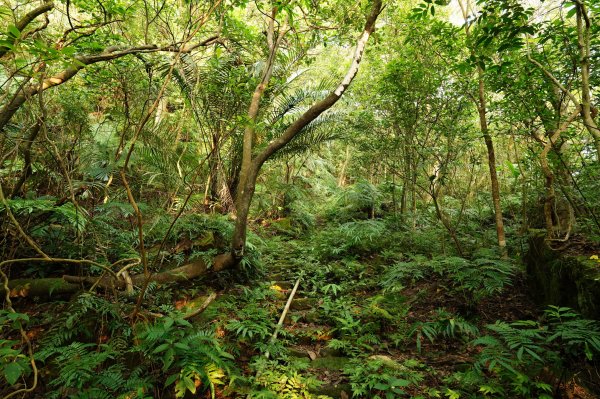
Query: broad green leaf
x=12, y=372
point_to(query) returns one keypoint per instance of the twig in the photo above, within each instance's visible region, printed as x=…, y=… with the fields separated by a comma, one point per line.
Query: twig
x=279, y=324
x=282, y=318
x=202, y=308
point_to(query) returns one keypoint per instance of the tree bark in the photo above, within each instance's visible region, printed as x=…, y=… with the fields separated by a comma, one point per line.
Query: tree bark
x=489, y=143
x=179, y=274
x=43, y=288
x=445, y=222
x=550, y=192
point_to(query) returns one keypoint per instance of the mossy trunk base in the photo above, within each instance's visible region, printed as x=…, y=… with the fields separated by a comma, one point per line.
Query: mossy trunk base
x=558, y=279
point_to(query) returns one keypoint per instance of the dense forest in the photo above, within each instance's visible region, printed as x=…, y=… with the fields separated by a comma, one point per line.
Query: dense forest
x=299, y=199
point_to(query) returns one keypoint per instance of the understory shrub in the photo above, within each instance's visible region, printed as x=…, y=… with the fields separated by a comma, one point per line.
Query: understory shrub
x=529, y=358
x=92, y=351
x=472, y=279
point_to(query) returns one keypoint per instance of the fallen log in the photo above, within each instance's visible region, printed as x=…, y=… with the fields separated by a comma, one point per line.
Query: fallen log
x=43, y=287
x=178, y=274
x=48, y=287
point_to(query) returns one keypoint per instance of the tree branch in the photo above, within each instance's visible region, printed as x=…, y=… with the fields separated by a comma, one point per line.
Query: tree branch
x=27, y=19
x=111, y=53
x=317, y=109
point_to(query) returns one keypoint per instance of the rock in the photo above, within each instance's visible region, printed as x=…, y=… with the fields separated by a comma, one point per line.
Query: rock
x=336, y=391
x=304, y=303
x=387, y=361
x=563, y=280
x=330, y=363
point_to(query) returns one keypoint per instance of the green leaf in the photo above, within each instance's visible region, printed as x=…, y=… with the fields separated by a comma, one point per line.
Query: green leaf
x=7, y=44
x=183, y=322
x=171, y=379
x=189, y=384
x=381, y=387
x=12, y=372
x=182, y=346
x=14, y=31
x=168, y=322
x=161, y=348
x=520, y=353
x=398, y=382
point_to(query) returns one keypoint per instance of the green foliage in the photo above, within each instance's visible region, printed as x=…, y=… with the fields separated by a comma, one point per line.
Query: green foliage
x=254, y=326
x=274, y=380
x=85, y=366
x=574, y=334
x=85, y=370
x=87, y=315
x=90, y=347
x=67, y=214
x=518, y=352
x=360, y=200
x=187, y=355
x=356, y=238
x=474, y=279
x=253, y=321
x=362, y=208
x=14, y=364
x=379, y=378
x=444, y=324
x=398, y=274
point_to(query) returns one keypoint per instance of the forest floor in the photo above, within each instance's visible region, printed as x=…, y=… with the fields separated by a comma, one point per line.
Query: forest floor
x=344, y=335
x=349, y=333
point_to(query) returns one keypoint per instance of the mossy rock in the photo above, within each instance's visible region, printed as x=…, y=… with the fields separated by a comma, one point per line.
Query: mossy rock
x=563, y=280
x=335, y=363
x=283, y=225
x=333, y=390
x=304, y=303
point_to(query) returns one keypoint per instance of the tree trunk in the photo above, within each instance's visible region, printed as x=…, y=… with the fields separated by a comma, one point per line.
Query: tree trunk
x=445, y=222
x=489, y=144
x=342, y=177
x=549, y=175
x=35, y=130
x=583, y=43
x=42, y=288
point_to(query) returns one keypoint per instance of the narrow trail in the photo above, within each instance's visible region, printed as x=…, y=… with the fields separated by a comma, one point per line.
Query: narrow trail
x=306, y=332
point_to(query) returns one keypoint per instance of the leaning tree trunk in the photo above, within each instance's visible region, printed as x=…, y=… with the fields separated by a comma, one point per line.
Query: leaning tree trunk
x=251, y=165
x=549, y=175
